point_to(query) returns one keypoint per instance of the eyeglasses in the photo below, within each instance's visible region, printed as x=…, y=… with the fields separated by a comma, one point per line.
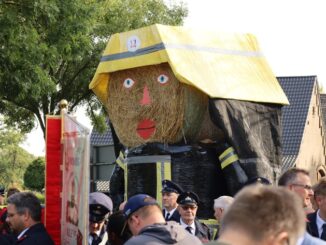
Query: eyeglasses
x=307, y=187
x=188, y=207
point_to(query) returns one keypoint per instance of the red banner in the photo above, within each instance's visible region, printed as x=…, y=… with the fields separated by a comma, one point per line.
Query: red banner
x=53, y=178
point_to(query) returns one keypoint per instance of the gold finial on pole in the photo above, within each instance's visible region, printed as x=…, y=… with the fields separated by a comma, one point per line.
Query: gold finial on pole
x=63, y=105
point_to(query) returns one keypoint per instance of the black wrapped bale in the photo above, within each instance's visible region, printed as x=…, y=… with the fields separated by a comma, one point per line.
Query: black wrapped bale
x=193, y=167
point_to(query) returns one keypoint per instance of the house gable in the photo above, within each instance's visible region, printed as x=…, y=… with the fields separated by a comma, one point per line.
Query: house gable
x=303, y=130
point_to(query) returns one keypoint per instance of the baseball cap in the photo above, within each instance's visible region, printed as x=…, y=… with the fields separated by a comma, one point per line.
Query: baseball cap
x=136, y=202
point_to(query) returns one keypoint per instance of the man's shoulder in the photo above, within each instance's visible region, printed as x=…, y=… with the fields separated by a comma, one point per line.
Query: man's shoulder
x=139, y=239
x=160, y=234
x=36, y=234
x=310, y=240
x=312, y=217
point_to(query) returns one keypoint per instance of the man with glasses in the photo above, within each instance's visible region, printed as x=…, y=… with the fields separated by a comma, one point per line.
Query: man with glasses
x=317, y=220
x=100, y=207
x=24, y=218
x=146, y=222
x=188, y=206
x=298, y=181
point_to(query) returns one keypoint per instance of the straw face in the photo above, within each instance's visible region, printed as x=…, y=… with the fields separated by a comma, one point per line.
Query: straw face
x=149, y=104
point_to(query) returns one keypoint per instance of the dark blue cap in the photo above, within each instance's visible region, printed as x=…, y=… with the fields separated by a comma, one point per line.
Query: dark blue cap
x=99, y=206
x=136, y=202
x=169, y=186
x=188, y=198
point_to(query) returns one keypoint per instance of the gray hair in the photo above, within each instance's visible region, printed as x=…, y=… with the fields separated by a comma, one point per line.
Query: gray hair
x=26, y=202
x=223, y=202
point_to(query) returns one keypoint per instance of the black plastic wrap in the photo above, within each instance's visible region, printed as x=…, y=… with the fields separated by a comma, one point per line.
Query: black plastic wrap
x=142, y=179
x=199, y=170
x=254, y=130
x=194, y=168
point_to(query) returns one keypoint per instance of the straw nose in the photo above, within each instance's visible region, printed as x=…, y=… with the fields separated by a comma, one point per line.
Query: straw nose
x=146, y=100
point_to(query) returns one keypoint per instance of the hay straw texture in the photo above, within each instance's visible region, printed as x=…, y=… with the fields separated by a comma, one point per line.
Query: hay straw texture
x=176, y=110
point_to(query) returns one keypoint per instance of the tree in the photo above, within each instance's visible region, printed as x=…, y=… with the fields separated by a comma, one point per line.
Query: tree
x=13, y=159
x=49, y=50
x=34, y=176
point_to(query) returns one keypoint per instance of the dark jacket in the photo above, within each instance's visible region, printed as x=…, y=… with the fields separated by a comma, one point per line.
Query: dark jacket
x=4, y=240
x=312, y=228
x=162, y=234
x=35, y=235
x=203, y=232
x=175, y=216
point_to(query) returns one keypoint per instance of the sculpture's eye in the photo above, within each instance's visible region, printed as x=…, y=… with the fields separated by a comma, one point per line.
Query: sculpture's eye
x=162, y=79
x=128, y=83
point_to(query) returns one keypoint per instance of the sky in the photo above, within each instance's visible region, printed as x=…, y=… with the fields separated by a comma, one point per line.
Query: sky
x=290, y=33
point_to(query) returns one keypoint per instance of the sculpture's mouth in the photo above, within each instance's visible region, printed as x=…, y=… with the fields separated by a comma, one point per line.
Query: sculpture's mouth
x=146, y=128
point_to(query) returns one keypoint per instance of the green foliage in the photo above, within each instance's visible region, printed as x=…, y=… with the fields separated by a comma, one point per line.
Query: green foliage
x=13, y=159
x=34, y=175
x=49, y=50
x=40, y=196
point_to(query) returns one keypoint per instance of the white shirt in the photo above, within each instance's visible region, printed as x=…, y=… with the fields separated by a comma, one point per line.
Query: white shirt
x=184, y=225
x=90, y=238
x=170, y=212
x=22, y=233
x=319, y=222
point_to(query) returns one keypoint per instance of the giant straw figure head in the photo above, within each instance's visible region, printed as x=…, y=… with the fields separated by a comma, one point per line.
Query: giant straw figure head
x=149, y=104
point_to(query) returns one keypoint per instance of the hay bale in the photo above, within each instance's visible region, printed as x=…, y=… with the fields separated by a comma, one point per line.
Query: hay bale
x=176, y=111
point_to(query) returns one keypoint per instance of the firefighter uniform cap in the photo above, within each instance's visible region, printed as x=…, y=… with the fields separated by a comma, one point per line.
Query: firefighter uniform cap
x=188, y=198
x=99, y=206
x=169, y=186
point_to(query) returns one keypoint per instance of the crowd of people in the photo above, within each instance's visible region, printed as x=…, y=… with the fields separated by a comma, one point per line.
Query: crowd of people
x=292, y=213
x=260, y=213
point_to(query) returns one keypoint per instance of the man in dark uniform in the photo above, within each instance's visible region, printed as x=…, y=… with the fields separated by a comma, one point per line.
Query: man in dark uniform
x=188, y=206
x=100, y=208
x=24, y=218
x=170, y=193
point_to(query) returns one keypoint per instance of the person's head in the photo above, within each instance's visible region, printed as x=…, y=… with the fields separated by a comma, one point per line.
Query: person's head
x=170, y=193
x=24, y=210
x=298, y=180
x=263, y=215
x=100, y=207
x=188, y=206
x=314, y=204
x=118, y=234
x=320, y=196
x=2, y=195
x=142, y=210
x=220, y=206
x=12, y=191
